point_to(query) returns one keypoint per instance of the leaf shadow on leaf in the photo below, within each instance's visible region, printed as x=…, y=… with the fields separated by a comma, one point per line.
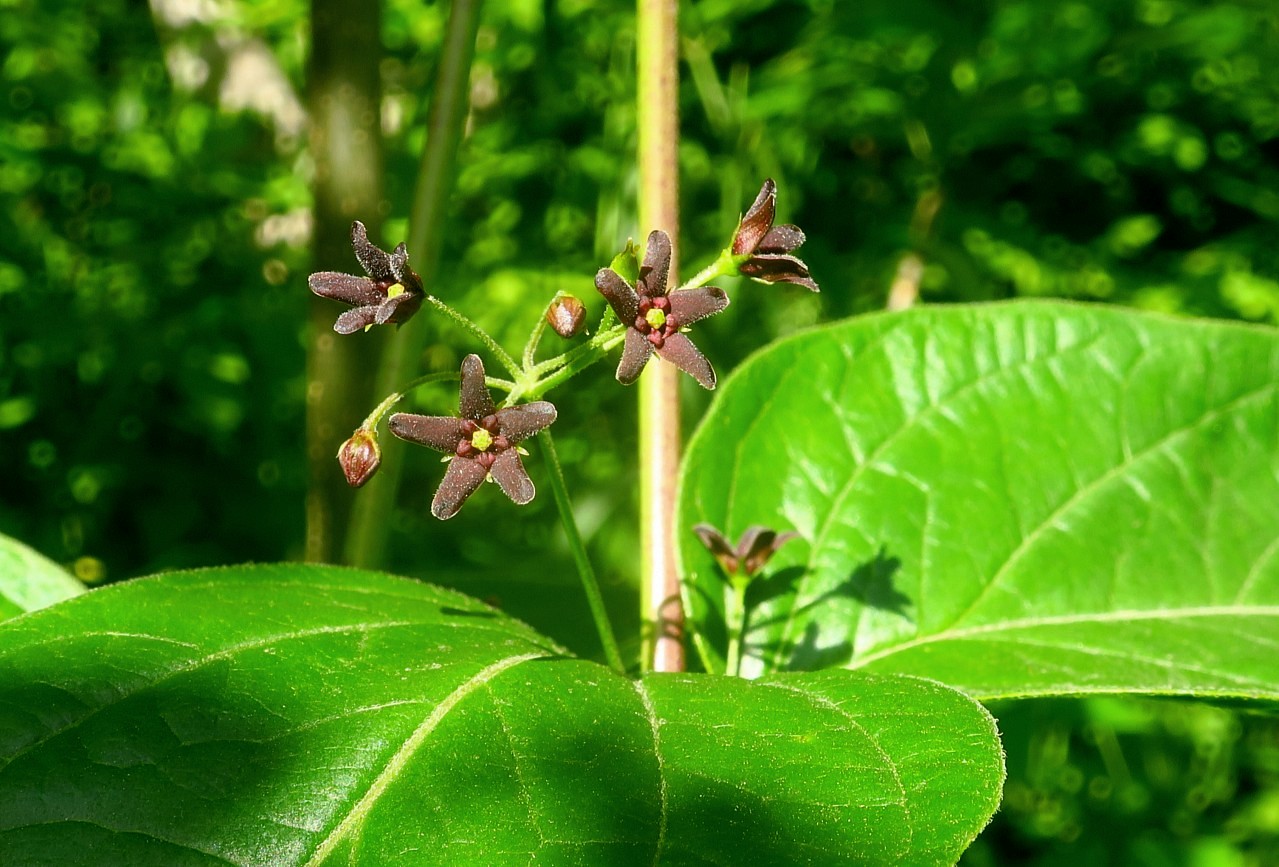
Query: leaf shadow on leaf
x=596, y=773
x=871, y=583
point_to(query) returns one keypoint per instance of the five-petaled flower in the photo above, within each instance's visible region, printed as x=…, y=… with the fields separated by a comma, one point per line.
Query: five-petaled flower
x=754, y=549
x=762, y=250
x=653, y=318
x=483, y=442
x=391, y=292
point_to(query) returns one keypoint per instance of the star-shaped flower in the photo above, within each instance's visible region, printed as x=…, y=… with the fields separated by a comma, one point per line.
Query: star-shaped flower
x=653, y=318
x=756, y=547
x=391, y=292
x=767, y=247
x=482, y=442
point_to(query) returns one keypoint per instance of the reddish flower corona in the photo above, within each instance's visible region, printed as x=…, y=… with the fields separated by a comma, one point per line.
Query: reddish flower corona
x=483, y=443
x=654, y=319
x=391, y=292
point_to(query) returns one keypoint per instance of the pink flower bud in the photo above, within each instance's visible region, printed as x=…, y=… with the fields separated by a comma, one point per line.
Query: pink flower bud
x=360, y=457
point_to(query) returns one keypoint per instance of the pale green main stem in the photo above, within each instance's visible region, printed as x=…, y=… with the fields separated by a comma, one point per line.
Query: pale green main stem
x=659, y=434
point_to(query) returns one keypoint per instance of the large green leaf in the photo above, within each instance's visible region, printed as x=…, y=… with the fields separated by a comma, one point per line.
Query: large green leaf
x=1015, y=499
x=28, y=580
x=290, y=715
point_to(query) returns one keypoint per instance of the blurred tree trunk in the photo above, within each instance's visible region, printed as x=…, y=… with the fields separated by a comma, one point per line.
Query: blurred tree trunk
x=345, y=96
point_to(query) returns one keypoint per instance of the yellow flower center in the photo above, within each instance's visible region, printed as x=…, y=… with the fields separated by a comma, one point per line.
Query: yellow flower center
x=482, y=439
x=394, y=289
x=655, y=318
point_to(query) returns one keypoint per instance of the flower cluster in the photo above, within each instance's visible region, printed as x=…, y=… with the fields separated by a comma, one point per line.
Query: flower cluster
x=483, y=442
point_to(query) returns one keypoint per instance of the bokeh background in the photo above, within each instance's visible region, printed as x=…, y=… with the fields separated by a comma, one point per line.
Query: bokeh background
x=157, y=226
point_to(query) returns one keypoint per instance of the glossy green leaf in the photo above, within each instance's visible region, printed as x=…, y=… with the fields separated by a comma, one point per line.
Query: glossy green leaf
x=1016, y=499
x=29, y=580
x=290, y=715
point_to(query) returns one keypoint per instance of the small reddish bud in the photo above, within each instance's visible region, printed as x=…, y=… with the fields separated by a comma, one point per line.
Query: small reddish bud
x=360, y=457
x=566, y=316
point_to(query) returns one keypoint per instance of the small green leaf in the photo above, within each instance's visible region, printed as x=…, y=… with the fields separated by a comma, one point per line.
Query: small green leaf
x=294, y=715
x=1015, y=499
x=28, y=580
x=626, y=263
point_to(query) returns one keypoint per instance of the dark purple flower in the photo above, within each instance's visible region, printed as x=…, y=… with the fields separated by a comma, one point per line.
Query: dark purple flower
x=391, y=292
x=360, y=456
x=483, y=442
x=756, y=547
x=769, y=247
x=653, y=318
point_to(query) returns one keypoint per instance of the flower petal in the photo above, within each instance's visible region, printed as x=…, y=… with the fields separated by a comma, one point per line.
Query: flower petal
x=439, y=432
x=521, y=422
x=718, y=546
x=758, y=220
x=773, y=268
x=399, y=309
x=690, y=305
x=474, y=400
x=372, y=259
x=681, y=352
x=345, y=288
x=399, y=263
x=781, y=239
x=619, y=294
x=508, y=471
x=462, y=478
x=656, y=267
x=758, y=545
x=353, y=320
x=635, y=354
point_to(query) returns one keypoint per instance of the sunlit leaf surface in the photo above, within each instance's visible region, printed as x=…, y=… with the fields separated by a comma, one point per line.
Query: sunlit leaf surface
x=29, y=580
x=1016, y=499
x=290, y=715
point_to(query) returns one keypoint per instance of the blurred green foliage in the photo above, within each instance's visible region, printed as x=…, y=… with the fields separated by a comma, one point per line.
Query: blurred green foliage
x=154, y=230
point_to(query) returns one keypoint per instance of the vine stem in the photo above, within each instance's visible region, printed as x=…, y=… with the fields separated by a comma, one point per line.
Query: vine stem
x=659, y=429
x=589, y=583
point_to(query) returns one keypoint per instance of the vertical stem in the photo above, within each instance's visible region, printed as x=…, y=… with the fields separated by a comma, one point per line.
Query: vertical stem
x=344, y=97
x=735, y=621
x=589, y=583
x=658, y=121
x=367, y=533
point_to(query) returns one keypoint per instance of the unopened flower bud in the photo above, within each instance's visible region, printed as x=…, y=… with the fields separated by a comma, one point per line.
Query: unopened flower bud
x=566, y=315
x=360, y=457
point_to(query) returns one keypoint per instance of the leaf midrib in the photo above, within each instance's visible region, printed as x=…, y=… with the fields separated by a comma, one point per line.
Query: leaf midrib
x=361, y=808
x=1067, y=620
